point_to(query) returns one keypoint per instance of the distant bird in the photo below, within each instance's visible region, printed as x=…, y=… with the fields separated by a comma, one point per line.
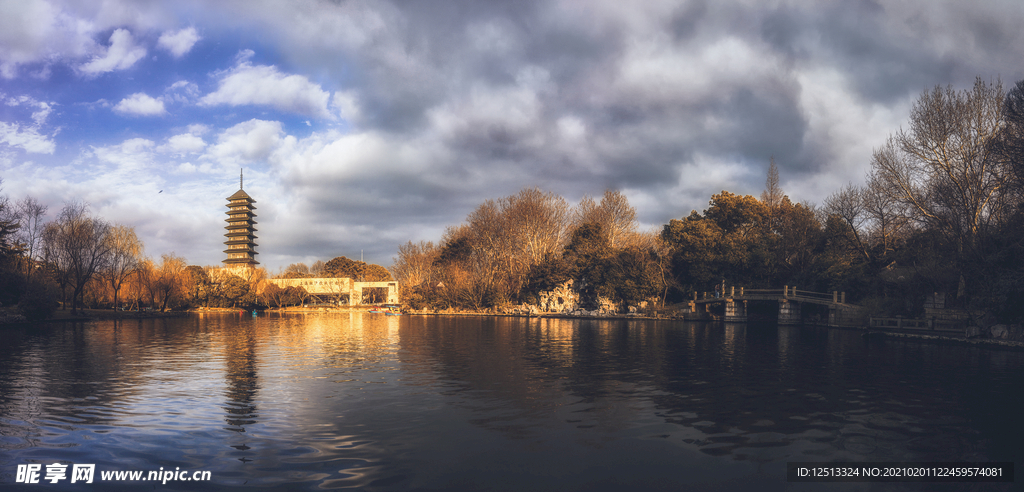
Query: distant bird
x=161, y=191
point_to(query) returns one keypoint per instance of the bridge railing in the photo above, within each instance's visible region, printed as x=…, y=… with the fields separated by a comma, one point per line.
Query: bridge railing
x=787, y=292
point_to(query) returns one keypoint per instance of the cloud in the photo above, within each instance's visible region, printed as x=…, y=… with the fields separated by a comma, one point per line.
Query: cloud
x=43, y=109
x=185, y=143
x=140, y=104
x=122, y=54
x=265, y=85
x=28, y=139
x=347, y=105
x=31, y=31
x=251, y=141
x=420, y=111
x=179, y=43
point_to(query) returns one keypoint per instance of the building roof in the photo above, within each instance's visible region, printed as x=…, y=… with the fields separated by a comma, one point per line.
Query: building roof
x=240, y=194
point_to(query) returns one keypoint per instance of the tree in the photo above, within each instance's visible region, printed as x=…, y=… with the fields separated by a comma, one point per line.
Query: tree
x=295, y=295
x=30, y=231
x=945, y=170
x=342, y=267
x=614, y=213
x=169, y=282
x=296, y=270
x=317, y=268
x=11, y=283
x=145, y=282
x=234, y=289
x=697, y=252
x=1011, y=138
x=888, y=221
x=587, y=256
x=75, y=245
x=847, y=205
x=195, y=284
x=799, y=239
x=772, y=195
x=125, y=254
x=413, y=265
x=735, y=213
x=273, y=295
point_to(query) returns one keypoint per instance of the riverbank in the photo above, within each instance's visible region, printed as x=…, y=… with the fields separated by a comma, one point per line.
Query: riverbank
x=61, y=315
x=957, y=338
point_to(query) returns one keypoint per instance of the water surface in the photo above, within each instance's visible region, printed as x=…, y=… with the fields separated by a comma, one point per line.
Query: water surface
x=333, y=401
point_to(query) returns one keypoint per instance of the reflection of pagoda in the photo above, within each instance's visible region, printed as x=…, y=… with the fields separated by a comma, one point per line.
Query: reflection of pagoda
x=241, y=229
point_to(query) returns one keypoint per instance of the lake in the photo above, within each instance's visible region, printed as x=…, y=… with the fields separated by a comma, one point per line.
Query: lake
x=372, y=402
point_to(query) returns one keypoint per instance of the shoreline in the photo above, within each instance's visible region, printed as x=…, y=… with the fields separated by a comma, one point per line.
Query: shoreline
x=62, y=316
x=867, y=332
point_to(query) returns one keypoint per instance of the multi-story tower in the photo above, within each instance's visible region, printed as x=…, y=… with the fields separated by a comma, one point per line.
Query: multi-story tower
x=241, y=230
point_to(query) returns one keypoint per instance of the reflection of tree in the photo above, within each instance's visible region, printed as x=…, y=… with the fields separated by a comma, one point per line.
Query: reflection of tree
x=735, y=390
x=242, y=379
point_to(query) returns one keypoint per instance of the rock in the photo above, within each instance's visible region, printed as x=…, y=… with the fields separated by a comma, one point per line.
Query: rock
x=972, y=332
x=1015, y=332
x=999, y=332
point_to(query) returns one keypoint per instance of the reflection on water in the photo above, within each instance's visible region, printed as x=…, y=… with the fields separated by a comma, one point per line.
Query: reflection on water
x=467, y=403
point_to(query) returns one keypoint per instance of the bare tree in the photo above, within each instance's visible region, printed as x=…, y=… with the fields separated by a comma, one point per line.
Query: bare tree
x=1011, y=141
x=75, y=245
x=168, y=278
x=125, y=254
x=414, y=263
x=888, y=221
x=848, y=205
x=944, y=168
x=317, y=268
x=296, y=270
x=31, y=231
x=10, y=221
x=614, y=213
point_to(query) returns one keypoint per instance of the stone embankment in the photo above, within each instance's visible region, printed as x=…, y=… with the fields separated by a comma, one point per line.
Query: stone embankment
x=9, y=317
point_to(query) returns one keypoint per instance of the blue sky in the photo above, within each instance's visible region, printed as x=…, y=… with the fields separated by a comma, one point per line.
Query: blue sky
x=365, y=124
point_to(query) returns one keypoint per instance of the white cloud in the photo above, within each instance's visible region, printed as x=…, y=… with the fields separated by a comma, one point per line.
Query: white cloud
x=31, y=31
x=265, y=85
x=29, y=139
x=183, y=144
x=43, y=108
x=122, y=54
x=180, y=42
x=250, y=141
x=182, y=91
x=198, y=129
x=131, y=155
x=140, y=104
x=346, y=105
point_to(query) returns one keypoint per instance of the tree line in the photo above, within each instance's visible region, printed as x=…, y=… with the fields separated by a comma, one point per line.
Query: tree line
x=79, y=260
x=939, y=211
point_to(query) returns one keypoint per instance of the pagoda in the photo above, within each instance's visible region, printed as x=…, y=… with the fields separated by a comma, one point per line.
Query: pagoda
x=241, y=230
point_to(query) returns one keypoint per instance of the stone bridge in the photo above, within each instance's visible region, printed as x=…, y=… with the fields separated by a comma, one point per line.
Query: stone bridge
x=790, y=300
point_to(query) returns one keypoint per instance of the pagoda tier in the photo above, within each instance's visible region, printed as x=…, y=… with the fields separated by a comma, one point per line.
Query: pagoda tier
x=241, y=230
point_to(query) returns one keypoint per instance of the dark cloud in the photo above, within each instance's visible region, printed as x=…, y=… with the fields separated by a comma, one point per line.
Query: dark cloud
x=450, y=103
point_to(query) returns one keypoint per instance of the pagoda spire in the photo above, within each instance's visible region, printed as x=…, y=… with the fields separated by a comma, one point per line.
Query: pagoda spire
x=240, y=178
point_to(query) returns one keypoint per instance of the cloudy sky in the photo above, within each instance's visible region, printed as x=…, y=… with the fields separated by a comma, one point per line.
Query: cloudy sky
x=365, y=124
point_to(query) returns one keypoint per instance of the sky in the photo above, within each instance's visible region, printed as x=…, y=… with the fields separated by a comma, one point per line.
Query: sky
x=361, y=125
